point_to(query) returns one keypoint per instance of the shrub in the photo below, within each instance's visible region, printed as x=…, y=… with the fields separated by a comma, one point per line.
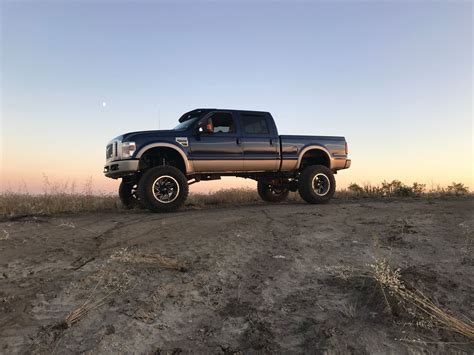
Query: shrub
x=354, y=188
x=458, y=189
x=418, y=189
x=396, y=188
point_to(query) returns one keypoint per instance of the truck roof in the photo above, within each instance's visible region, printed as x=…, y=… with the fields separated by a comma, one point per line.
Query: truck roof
x=203, y=111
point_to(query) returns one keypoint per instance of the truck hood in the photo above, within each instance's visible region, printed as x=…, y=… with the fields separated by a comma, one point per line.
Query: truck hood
x=145, y=135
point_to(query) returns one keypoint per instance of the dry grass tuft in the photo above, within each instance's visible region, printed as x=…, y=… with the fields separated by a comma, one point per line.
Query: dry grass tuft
x=89, y=305
x=390, y=279
x=349, y=310
x=398, y=293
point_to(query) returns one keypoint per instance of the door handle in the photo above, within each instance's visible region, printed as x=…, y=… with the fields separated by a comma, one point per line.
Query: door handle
x=271, y=141
x=238, y=141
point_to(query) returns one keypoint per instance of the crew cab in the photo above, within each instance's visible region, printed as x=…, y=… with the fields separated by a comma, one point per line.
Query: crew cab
x=157, y=167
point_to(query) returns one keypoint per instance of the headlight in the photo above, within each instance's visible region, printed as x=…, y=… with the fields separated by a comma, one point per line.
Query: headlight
x=128, y=148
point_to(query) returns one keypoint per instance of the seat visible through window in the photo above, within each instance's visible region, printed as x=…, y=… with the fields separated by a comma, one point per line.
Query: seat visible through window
x=222, y=122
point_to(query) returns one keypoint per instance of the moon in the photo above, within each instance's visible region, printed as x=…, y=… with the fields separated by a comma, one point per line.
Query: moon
x=104, y=103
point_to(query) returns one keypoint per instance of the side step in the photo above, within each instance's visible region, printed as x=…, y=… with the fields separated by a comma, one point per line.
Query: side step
x=198, y=178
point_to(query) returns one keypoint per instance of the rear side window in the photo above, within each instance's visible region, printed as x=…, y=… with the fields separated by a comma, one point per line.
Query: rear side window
x=254, y=124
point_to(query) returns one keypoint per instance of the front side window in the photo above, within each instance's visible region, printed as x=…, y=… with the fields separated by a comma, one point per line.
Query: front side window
x=186, y=124
x=220, y=122
x=255, y=124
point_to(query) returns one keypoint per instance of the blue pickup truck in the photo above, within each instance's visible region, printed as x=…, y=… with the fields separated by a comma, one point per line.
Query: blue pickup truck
x=156, y=167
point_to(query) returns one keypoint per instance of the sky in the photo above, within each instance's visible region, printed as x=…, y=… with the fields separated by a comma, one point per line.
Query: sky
x=394, y=78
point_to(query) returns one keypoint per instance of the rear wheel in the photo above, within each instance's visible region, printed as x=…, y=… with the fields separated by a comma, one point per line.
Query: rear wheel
x=127, y=194
x=317, y=184
x=163, y=189
x=271, y=193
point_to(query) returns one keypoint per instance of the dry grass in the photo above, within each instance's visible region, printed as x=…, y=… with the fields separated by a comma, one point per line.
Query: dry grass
x=65, y=198
x=390, y=280
x=349, y=310
x=126, y=256
x=225, y=197
x=90, y=304
x=235, y=196
x=20, y=204
x=396, y=188
x=414, y=301
x=56, y=198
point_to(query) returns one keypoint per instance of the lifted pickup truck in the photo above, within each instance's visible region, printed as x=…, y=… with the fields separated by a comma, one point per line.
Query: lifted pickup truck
x=157, y=167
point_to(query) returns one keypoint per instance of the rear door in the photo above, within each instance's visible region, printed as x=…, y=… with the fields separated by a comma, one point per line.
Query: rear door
x=259, y=142
x=219, y=150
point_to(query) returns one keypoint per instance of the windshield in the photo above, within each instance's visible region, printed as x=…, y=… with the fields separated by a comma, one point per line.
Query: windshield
x=186, y=124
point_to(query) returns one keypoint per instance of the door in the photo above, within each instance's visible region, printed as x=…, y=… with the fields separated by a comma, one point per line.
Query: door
x=259, y=143
x=217, y=148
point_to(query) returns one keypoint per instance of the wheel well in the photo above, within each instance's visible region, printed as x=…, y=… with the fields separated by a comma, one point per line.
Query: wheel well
x=162, y=156
x=315, y=157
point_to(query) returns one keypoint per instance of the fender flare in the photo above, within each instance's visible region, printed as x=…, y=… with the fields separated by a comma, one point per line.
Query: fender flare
x=188, y=165
x=314, y=147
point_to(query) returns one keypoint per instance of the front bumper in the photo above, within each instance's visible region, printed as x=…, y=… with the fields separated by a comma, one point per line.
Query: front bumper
x=119, y=168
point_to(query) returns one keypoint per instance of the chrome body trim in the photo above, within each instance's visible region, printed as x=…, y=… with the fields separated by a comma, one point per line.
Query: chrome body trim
x=314, y=147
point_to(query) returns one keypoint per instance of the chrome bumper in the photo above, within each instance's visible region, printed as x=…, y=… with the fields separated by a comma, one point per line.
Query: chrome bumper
x=119, y=168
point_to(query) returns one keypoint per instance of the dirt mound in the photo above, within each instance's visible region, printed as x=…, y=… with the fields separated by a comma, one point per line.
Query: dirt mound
x=255, y=279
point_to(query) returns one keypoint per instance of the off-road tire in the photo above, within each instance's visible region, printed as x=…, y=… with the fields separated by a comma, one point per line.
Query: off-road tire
x=267, y=193
x=146, y=184
x=127, y=195
x=306, y=188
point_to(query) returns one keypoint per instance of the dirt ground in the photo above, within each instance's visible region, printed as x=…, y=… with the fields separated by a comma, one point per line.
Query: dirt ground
x=247, y=279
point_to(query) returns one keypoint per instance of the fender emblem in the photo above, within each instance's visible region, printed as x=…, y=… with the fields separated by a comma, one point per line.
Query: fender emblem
x=182, y=140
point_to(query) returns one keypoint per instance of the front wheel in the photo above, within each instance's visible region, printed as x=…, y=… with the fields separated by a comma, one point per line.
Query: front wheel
x=163, y=189
x=317, y=184
x=271, y=193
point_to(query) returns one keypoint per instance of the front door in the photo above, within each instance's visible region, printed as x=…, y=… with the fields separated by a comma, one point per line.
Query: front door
x=217, y=148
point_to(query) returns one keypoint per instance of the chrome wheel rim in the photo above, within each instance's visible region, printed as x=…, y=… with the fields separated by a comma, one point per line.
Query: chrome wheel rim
x=165, y=189
x=321, y=184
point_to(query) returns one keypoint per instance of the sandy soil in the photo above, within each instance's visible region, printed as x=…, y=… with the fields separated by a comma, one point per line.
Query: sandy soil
x=246, y=279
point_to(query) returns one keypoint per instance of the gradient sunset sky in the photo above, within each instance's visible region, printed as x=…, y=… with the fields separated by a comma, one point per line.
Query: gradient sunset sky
x=394, y=78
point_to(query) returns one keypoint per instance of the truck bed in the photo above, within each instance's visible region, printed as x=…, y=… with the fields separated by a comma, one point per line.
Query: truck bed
x=292, y=145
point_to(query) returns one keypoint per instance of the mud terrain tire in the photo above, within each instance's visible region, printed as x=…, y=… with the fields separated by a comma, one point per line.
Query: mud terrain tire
x=163, y=189
x=270, y=193
x=317, y=184
x=127, y=194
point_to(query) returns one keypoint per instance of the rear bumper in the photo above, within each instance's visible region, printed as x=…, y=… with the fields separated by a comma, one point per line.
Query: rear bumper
x=341, y=163
x=119, y=168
